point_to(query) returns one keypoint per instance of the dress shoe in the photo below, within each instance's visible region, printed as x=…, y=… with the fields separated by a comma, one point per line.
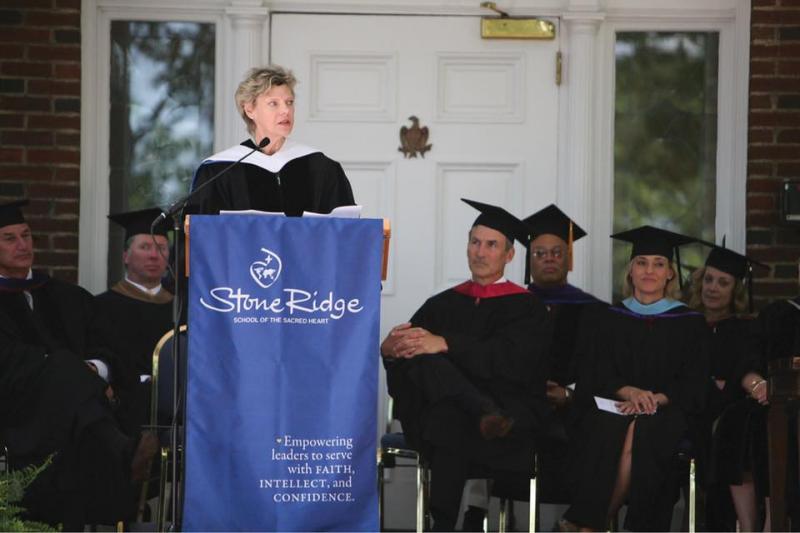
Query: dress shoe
x=495, y=425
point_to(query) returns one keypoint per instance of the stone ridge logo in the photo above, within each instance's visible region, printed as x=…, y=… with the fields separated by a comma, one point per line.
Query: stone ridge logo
x=313, y=306
x=267, y=271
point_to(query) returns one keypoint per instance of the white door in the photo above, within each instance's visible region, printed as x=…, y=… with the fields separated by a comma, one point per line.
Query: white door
x=491, y=109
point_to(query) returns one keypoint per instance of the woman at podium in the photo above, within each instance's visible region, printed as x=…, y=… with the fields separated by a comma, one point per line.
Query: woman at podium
x=269, y=171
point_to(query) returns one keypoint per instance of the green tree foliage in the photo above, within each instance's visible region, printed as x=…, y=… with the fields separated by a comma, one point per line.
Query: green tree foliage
x=665, y=136
x=12, y=488
x=162, y=115
x=162, y=112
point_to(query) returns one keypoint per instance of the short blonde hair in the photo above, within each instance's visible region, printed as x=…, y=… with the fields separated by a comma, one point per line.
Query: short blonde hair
x=672, y=290
x=257, y=82
x=738, y=304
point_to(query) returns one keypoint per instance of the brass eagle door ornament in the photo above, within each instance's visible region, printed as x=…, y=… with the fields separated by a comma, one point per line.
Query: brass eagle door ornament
x=414, y=140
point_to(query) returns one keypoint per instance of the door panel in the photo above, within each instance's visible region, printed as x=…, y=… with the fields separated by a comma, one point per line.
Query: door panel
x=491, y=108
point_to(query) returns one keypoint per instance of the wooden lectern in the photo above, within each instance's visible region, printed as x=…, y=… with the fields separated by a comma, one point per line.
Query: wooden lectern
x=784, y=396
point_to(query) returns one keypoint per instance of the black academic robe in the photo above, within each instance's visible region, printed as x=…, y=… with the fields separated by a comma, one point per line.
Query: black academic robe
x=133, y=322
x=571, y=315
x=663, y=353
x=495, y=345
x=64, y=318
x=738, y=441
x=310, y=182
x=136, y=325
x=495, y=363
x=52, y=403
x=733, y=352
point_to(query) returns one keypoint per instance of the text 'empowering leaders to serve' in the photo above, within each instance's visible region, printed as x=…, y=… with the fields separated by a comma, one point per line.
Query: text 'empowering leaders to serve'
x=282, y=374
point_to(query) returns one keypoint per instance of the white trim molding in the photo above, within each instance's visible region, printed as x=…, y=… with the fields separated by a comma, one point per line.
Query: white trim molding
x=732, y=21
x=576, y=164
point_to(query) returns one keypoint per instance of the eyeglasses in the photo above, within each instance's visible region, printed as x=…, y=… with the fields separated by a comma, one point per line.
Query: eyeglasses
x=541, y=253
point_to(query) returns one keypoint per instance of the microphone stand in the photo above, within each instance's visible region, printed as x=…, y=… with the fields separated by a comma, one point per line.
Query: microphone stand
x=178, y=430
x=179, y=205
x=178, y=379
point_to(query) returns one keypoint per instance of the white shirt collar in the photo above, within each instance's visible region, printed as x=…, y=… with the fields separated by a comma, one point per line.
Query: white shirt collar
x=152, y=292
x=29, y=276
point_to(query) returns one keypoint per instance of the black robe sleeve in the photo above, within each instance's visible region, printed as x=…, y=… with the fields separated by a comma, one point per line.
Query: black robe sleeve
x=338, y=191
x=687, y=388
x=674, y=362
x=20, y=361
x=515, y=349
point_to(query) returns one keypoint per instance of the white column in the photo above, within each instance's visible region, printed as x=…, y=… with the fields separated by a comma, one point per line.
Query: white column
x=576, y=161
x=244, y=45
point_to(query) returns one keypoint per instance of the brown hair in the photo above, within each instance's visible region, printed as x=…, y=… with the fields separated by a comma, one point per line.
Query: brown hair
x=738, y=303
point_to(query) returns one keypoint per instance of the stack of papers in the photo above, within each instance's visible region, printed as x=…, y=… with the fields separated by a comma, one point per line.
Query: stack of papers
x=604, y=404
x=344, y=211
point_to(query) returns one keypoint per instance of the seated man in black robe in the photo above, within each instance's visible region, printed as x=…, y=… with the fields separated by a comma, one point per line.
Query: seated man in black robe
x=466, y=371
x=571, y=314
x=137, y=310
x=54, y=395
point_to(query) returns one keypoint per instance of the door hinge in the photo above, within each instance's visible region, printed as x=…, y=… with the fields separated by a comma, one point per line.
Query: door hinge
x=558, y=67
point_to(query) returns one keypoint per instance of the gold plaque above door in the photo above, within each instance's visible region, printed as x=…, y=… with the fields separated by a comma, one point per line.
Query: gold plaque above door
x=507, y=27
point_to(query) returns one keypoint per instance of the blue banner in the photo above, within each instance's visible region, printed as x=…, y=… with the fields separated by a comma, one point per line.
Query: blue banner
x=282, y=374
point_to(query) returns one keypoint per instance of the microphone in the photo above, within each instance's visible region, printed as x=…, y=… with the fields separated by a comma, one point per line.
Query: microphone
x=179, y=204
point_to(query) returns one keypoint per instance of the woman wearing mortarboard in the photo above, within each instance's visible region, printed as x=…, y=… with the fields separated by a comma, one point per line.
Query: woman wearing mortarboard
x=731, y=434
x=280, y=175
x=649, y=359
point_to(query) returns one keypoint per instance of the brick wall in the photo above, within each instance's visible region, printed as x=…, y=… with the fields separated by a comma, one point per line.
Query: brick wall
x=40, y=87
x=774, y=142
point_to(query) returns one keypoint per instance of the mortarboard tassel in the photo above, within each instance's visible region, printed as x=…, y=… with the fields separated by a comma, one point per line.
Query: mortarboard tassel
x=678, y=261
x=750, y=288
x=569, y=246
x=527, y=263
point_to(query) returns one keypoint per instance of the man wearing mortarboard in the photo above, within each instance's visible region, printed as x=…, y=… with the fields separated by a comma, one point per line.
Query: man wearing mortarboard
x=466, y=371
x=137, y=310
x=571, y=314
x=54, y=395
